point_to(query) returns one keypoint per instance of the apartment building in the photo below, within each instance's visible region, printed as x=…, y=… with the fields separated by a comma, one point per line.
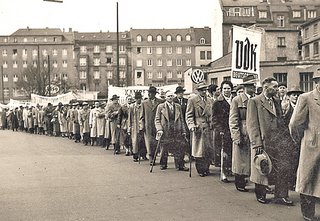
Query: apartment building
x=161, y=56
x=36, y=48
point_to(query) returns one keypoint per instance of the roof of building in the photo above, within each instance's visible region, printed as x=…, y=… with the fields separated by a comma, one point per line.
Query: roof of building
x=37, y=32
x=99, y=36
x=241, y=3
x=223, y=62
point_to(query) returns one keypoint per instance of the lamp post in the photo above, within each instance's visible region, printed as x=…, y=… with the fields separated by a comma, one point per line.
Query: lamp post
x=2, y=84
x=49, y=86
x=118, y=69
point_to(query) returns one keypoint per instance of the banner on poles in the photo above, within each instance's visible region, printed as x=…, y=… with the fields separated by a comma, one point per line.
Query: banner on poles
x=246, y=45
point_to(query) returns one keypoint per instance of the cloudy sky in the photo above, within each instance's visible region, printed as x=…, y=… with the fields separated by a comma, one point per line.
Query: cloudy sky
x=96, y=15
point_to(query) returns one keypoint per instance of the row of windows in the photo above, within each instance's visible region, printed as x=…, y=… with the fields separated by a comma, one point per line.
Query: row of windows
x=169, y=50
x=15, y=91
x=97, y=75
x=315, y=31
x=96, y=61
x=306, y=82
x=15, y=77
x=24, y=52
x=45, y=39
x=160, y=75
x=97, y=49
x=160, y=38
x=35, y=63
x=169, y=62
x=315, y=47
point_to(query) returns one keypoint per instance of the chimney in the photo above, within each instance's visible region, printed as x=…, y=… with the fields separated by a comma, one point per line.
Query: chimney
x=63, y=30
x=28, y=28
x=70, y=29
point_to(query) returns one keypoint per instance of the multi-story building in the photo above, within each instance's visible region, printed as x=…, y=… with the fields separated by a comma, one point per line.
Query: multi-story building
x=161, y=56
x=36, y=48
x=96, y=60
x=281, y=43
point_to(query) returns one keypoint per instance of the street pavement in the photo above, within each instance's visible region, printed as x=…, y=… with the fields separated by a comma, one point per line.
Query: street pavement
x=53, y=178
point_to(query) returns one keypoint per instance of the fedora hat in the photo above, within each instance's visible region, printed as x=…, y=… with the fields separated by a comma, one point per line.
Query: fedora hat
x=249, y=80
x=316, y=75
x=179, y=89
x=262, y=163
x=85, y=103
x=114, y=97
x=202, y=86
x=152, y=89
x=137, y=95
x=294, y=89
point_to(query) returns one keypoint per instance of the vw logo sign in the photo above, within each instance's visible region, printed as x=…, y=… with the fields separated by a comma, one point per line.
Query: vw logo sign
x=197, y=76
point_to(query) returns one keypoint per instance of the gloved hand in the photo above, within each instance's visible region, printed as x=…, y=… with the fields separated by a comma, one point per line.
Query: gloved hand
x=259, y=150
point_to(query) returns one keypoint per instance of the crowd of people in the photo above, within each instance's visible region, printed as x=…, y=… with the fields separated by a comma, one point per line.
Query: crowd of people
x=268, y=135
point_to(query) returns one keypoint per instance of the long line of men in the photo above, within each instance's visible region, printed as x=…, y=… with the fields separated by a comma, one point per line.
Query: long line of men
x=244, y=133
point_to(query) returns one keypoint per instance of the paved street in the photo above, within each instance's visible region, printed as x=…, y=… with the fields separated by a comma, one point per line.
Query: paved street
x=49, y=178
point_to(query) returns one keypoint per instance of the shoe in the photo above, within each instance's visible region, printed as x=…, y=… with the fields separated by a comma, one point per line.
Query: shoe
x=117, y=152
x=269, y=190
x=152, y=164
x=163, y=167
x=307, y=218
x=225, y=180
x=263, y=200
x=127, y=154
x=242, y=189
x=202, y=174
x=135, y=160
x=183, y=169
x=283, y=201
x=145, y=158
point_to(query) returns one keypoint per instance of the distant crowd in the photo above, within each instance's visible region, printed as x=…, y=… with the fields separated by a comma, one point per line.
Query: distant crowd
x=268, y=135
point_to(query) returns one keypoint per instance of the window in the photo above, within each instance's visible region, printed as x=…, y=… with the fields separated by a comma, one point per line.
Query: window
x=55, y=64
x=5, y=40
x=83, y=61
x=312, y=14
x=96, y=74
x=169, y=50
x=179, y=74
x=296, y=14
x=54, y=39
x=227, y=78
x=169, y=62
x=306, y=33
x=122, y=48
x=45, y=63
x=5, y=78
x=188, y=38
x=45, y=39
x=6, y=92
x=139, y=63
x=15, y=64
x=139, y=38
x=214, y=81
x=280, y=21
x=149, y=62
x=83, y=86
x=149, y=50
x=35, y=39
x=15, y=40
x=4, y=52
x=5, y=64
x=202, y=55
x=281, y=59
x=64, y=63
x=306, y=83
x=109, y=49
x=96, y=62
x=109, y=60
x=122, y=74
x=83, y=49
x=307, y=51
x=14, y=52
x=169, y=38
x=65, y=76
x=202, y=41
x=188, y=62
x=34, y=53
x=281, y=77
x=159, y=75
x=159, y=62
x=83, y=75
x=179, y=62
x=34, y=64
x=188, y=50
x=262, y=14
x=109, y=74
x=179, y=50
x=15, y=78
x=209, y=55
x=315, y=29
x=159, y=50
x=96, y=49
x=44, y=52
x=149, y=38
x=179, y=38
x=316, y=49
x=122, y=61
x=149, y=75
x=169, y=74
x=281, y=42
x=54, y=52
x=24, y=64
x=64, y=52
x=246, y=12
x=24, y=52
x=159, y=38
x=139, y=50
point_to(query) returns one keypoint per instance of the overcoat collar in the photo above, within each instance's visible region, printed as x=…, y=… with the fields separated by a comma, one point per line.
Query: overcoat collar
x=244, y=99
x=200, y=102
x=265, y=104
x=149, y=103
x=316, y=95
x=165, y=111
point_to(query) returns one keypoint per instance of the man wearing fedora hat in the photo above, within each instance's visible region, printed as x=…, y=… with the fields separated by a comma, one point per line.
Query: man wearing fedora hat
x=239, y=135
x=112, y=112
x=264, y=126
x=149, y=108
x=198, y=117
x=93, y=123
x=84, y=123
x=304, y=128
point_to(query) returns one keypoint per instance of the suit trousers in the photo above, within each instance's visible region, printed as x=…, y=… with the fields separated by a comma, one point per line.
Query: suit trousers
x=308, y=204
x=239, y=180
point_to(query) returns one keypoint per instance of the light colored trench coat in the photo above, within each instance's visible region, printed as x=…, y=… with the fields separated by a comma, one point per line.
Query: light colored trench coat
x=305, y=127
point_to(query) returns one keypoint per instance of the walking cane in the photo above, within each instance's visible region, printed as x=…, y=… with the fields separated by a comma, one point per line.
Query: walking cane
x=221, y=157
x=189, y=155
x=155, y=155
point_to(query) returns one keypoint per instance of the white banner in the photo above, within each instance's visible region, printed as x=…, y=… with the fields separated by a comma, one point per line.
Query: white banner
x=246, y=45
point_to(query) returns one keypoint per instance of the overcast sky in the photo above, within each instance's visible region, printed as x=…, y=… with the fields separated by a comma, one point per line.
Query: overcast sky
x=96, y=15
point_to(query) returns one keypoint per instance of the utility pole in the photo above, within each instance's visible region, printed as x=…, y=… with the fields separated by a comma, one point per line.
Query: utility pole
x=2, y=84
x=49, y=88
x=118, y=69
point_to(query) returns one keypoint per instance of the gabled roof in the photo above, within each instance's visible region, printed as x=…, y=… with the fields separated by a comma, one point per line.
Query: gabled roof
x=37, y=32
x=99, y=36
x=242, y=3
x=223, y=62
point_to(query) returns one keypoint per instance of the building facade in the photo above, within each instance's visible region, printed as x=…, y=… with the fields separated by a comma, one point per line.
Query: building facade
x=161, y=56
